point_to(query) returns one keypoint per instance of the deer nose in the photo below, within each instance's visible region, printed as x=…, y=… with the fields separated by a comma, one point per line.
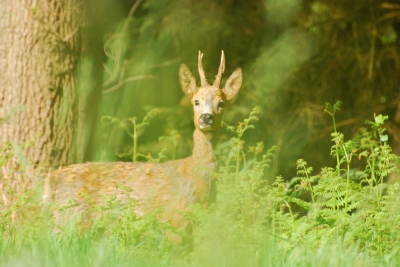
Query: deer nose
x=207, y=118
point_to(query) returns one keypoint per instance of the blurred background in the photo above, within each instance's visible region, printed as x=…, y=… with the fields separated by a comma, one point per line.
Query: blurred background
x=295, y=56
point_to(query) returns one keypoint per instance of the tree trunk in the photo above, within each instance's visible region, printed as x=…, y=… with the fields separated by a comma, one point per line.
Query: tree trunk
x=39, y=47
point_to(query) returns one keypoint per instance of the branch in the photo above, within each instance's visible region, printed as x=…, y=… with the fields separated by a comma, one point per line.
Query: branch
x=131, y=79
x=120, y=36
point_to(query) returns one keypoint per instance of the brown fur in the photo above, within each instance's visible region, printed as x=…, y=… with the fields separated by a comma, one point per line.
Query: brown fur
x=173, y=185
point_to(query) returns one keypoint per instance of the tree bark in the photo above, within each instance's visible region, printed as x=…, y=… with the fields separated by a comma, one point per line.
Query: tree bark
x=39, y=48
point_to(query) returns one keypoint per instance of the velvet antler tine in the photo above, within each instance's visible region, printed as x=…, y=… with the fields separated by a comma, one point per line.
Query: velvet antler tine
x=201, y=70
x=221, y=70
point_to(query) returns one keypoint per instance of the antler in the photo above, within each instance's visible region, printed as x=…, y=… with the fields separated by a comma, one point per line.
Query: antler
x=220, y=70
x=201, y=71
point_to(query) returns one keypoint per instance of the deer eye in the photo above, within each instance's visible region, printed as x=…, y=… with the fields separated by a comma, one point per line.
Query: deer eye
x=221, y=104
x=196, y=102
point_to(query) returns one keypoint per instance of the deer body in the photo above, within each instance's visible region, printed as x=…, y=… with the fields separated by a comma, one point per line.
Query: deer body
x=173, y=185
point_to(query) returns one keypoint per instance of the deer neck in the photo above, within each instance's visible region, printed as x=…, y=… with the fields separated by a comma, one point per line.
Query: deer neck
x=203, y=148
x=203, y=162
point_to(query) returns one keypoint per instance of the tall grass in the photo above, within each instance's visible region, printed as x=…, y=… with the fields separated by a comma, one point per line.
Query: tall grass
x=350, y=216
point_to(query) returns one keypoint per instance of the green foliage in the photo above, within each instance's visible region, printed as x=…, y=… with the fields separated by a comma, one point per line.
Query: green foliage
x=138, y=128
x=237, y=142
x=344, y=215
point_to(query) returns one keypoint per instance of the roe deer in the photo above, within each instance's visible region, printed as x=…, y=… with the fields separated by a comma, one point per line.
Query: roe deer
x=173, y=185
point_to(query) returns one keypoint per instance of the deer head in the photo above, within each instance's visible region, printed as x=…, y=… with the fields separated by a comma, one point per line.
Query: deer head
x=208, y=100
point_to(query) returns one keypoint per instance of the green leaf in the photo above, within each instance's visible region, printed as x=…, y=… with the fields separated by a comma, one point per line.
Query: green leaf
x=379, y=119
x=384, y=138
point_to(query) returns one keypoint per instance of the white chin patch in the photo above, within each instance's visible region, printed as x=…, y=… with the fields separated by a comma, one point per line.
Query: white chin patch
x=205, y=127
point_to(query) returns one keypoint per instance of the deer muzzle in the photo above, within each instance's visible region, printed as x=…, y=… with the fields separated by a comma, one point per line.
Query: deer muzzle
x=206, y=121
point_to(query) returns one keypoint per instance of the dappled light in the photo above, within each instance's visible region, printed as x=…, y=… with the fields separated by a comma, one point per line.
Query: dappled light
x=114, y=151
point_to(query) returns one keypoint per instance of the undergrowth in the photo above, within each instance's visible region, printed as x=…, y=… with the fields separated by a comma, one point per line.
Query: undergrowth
x=343, y=215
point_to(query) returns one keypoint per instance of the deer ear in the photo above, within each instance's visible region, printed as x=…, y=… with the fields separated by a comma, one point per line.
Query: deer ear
x=233, y=84
x=188, y=82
